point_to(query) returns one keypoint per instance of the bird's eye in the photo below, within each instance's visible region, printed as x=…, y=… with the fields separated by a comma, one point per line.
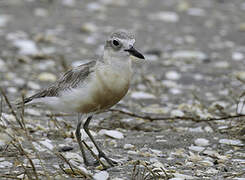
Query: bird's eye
x=115, y=43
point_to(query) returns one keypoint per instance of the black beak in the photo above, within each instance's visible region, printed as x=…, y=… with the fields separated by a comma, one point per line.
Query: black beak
x=134, y=52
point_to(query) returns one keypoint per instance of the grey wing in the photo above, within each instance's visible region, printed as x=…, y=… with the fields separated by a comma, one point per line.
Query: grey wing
x=71, y=79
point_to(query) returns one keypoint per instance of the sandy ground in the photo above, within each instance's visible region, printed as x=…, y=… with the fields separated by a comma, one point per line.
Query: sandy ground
x=189, y=85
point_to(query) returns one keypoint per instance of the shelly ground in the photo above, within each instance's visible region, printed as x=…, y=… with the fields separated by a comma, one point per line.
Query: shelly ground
x=183, y=117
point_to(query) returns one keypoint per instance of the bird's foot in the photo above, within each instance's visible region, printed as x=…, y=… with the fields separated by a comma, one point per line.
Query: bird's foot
x=111, y=162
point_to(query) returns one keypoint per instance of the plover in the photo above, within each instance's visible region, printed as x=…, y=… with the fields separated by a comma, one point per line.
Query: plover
x=93, y=87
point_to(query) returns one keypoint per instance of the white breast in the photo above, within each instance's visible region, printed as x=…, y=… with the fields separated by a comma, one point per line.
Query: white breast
x=115, y=79
x=105, y=87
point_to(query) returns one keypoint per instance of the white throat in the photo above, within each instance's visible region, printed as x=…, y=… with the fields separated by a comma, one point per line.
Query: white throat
x=117, y=61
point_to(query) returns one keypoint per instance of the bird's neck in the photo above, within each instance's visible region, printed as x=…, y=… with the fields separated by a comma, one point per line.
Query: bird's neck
x=118, y=62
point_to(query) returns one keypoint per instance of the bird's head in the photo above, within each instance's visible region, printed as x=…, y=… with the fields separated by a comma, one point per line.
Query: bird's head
x=121, y=44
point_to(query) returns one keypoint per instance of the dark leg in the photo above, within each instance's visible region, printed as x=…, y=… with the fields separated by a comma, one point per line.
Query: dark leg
x=101, y=154
x=80, y=142
x=82, y=145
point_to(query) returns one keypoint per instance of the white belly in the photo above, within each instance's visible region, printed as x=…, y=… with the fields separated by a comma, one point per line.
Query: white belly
x=102, y=91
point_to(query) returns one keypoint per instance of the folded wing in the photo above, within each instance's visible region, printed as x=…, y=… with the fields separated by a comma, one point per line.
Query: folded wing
x=71, y=79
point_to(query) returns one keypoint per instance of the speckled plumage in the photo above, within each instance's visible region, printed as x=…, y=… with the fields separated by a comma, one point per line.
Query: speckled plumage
x=94, y=86
x=71, y=79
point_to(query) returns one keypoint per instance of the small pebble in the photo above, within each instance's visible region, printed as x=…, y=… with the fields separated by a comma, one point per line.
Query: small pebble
x=26, y=47
x=95, y=7
x=90, y=40
x=39, y=147
x=74, y=156
x=198, y=77
x=212, y=171
x=32, y=112
x=12, y=90
x=155, y=108
x=240, y=75
x=194, y=157
x=202, y=142
x=19, y=81
x=89, y=27
x=128, y=146
x=132, y=152
x=233, y=142
x=241, y=27
x=69, y=3
x=240, y=106
x=102, y=175
x=237, y=56
x=183, y=5
x=161, y=141
x=114, y=3
x=175, y=91
x=157, y=152
x=84, y=170
x=4, y=19
x=4, y=139
x=243, y=6
x=211, y=152
x=196, y=148
x=36, y=162
x=5, y=164
x=41, y=12
x=142, y=95
x=45, y=76
x=177, y=113
x=183, y=176
x=2, y=65
x=195, y=129
x=189, y=55
x=222, y=65
x=166, y=16
x=33, y=85
x=206, y=163
x=196, y=12
x=151, y=57
x=44, y=65
x=173, y=75
x=208, y=129
x=21, y=176
x=158, y=164
x=111, y=133
x=169, y=83
x=47, y=143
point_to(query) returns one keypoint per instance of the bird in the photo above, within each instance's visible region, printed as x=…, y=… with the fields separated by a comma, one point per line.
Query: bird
x=93, y=87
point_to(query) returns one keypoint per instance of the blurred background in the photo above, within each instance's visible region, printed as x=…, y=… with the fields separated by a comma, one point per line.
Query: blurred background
x=195, y=57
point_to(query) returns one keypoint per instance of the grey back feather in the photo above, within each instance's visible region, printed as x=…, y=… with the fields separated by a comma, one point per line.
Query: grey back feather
x=71, y=79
